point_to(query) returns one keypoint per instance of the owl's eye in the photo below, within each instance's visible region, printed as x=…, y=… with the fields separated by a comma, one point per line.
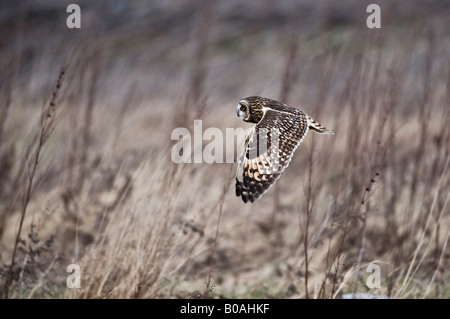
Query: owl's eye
x=243, y=108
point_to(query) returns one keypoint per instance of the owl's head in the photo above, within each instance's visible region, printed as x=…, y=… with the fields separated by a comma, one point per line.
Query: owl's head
x=250, y=109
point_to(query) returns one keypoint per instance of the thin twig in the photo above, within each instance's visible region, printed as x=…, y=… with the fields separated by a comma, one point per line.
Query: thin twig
x=46, y=128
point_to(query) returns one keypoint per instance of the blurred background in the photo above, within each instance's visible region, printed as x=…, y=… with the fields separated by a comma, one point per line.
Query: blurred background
x=86, y=117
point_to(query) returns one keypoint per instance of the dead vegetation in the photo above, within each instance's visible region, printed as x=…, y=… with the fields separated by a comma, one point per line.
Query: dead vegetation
x=87, y=178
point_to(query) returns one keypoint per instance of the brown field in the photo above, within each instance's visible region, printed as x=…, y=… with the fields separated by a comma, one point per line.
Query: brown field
x=86, y=175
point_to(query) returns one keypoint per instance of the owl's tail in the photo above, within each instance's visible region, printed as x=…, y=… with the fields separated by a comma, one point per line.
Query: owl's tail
x=317, y=127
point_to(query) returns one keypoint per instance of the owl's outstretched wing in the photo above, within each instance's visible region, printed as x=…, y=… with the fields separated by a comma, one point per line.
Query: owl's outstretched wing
x=268, y=150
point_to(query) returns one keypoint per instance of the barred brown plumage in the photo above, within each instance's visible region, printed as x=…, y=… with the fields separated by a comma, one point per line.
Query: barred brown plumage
x=270, y=145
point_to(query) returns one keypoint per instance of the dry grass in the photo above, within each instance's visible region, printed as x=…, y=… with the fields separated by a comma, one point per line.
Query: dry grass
x=93, y=184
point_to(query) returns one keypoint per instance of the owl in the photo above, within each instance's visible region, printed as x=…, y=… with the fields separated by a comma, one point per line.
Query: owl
x=270, y=144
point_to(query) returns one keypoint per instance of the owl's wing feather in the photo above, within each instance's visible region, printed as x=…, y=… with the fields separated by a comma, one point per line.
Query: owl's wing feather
x=268, y=150
x=240, y=166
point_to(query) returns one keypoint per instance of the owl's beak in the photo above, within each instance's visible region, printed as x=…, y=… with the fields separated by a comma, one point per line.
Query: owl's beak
x=239, y=113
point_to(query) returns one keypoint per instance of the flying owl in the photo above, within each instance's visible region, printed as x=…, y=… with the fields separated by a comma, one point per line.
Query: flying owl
x=270, y=144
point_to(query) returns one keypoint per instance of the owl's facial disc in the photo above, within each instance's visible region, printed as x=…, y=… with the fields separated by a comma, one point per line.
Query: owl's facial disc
x=242, y=110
